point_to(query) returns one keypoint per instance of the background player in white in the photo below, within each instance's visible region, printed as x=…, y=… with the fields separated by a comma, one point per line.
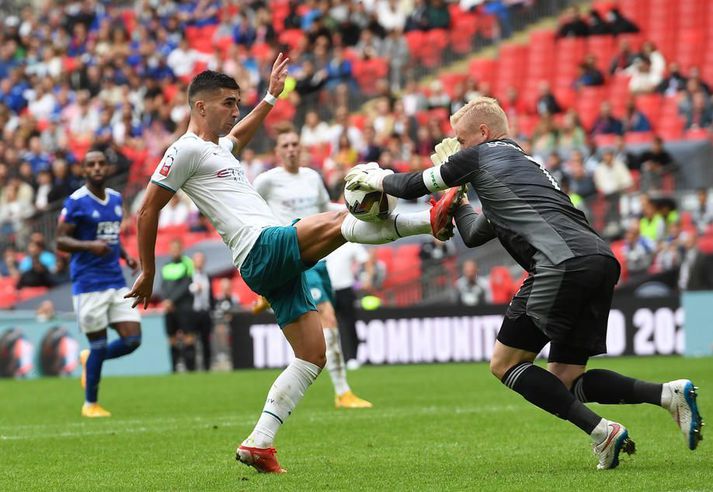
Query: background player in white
x=293, y=192
x=89, y=229
x=271, y=258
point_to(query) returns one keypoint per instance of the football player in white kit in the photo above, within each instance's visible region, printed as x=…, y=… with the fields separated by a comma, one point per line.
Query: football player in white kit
x=292, y=192
x=271, y=257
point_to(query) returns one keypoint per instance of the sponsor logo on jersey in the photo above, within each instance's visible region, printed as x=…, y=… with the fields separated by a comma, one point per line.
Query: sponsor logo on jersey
x=234, y=173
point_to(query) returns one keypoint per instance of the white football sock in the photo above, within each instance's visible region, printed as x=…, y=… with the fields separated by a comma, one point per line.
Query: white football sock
x=666, y=395
x=335, y=361
x=285, y=393
x=600, y=431
x=387, y=230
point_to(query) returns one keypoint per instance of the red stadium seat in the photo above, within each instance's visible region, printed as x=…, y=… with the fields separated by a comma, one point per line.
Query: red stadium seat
x=368, y=72
x=502, y=285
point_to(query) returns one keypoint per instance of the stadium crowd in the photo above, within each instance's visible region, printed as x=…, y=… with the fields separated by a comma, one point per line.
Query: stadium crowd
x=75, y=75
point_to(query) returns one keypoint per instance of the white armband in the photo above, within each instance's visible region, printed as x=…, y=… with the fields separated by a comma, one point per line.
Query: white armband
x=433, y=180
x=270, y=99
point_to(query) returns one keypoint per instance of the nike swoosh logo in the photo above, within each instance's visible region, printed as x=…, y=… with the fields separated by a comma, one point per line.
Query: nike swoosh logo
x=614, y=432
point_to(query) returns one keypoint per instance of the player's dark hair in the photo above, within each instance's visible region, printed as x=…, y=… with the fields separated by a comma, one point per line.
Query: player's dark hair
x=210, y=80
x=284, y=128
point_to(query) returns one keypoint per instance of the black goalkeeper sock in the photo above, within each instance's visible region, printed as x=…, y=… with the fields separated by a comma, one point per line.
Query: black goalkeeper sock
x=611, y=388
x=545, y=390
x=175, y=357
x=189, y=356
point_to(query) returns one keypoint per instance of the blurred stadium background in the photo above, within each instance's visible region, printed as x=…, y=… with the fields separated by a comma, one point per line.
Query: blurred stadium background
x=614, y=97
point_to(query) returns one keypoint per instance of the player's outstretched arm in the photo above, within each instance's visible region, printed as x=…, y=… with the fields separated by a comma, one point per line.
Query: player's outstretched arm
x=147, y=224
x=243, y=132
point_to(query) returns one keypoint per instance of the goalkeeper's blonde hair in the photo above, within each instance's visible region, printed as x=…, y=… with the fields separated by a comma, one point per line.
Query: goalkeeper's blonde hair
x=483, y=110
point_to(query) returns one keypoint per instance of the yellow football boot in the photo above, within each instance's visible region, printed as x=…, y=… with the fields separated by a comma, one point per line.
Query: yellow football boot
x=94, y=410
x=350, y=400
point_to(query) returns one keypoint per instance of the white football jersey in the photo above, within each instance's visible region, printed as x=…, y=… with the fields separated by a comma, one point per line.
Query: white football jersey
x=214, y=179
x=292, y=195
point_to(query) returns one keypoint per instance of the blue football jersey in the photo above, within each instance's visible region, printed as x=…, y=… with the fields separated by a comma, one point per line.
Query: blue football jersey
x=95, y=219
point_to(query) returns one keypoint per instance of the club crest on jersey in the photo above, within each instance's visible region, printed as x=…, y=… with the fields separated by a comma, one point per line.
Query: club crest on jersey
x=166, y=165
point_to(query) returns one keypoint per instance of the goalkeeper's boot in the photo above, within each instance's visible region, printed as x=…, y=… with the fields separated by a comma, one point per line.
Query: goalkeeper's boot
x=442, y=212
x=350, y=400
x=262, y=459
x=83, y=356
x=684, y=410
x=94, y=410
x=616, y=441
x=260, y=305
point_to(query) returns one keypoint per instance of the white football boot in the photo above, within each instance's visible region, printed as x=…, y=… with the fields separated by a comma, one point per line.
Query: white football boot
x=616, y=441
x=684, y=411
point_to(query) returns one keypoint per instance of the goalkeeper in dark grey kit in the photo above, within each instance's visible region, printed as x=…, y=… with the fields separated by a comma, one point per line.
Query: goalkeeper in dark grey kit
x=567, y=295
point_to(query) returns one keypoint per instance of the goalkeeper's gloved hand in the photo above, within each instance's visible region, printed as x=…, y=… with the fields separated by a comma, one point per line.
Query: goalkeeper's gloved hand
x=446, y=148
x=366, y=177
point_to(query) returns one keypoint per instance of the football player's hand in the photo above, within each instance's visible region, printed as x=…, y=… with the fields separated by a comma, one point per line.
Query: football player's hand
x=99, y=248
x=278, y=75
x=141, y=291
x=366, y=177
x=446, y=148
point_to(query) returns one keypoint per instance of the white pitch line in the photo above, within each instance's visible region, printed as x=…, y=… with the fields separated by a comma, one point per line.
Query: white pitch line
x=46, y=431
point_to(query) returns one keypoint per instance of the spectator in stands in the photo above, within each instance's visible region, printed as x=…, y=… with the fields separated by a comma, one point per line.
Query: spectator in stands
x=695, y=74
x=15, y=206
x=391, y=14
x=634, y=120
x=438, y=97
x=606, y=122
x=47, y=258
x=373, y=148
x=175, y=213
x=417, y=19
x=643, y=79
x=554, y=166
x=60, y=273
x=37, y=275
x=702, y=214
x=623, y=59
x=656, y=163
x=612, y=178
x=638, y=252
x=674, y=82
x=472, y=289
x=202, y=305
x=8, y=264
x=395, y=49
x=651, y=225
x=544, y=137
x=699, y=113
x=619, y=23
x=373, y=273
x=512, y=104
x=580, y=181
x=314, y=131
x=226, y=302
x=43, y=189
x=571, y=135
x=413, y=98
x=572, y=24
x=589, y=75
x=341, y=125
x=658, y=62
x=437, y=15
x=696, y=271
x=598, y=26
x=669, y=251
x=623, y=155
x=546, y=101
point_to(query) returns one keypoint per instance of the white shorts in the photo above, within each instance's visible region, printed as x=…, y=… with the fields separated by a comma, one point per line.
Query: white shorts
x=97, y=310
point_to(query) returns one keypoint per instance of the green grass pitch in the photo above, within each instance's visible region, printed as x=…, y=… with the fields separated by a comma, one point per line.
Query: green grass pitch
x=434, y=427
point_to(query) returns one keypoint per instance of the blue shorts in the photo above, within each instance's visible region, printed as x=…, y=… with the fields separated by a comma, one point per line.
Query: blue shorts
x=319, y=284
x=274, y=269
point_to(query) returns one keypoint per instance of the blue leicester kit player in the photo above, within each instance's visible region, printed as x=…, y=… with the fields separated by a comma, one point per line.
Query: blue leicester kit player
x=89, y=229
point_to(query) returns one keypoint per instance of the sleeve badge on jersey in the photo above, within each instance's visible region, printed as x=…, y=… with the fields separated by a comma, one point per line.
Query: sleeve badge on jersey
x=166, y=165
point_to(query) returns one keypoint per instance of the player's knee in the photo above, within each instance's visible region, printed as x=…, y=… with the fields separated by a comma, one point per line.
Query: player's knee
x=499, y=367
x=316, y=357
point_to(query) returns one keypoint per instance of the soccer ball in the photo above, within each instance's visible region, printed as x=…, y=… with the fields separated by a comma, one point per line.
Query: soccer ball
x=369, y=206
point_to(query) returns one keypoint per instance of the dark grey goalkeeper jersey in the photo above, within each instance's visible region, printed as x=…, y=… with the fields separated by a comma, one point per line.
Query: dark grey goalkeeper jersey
x=522, y=204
